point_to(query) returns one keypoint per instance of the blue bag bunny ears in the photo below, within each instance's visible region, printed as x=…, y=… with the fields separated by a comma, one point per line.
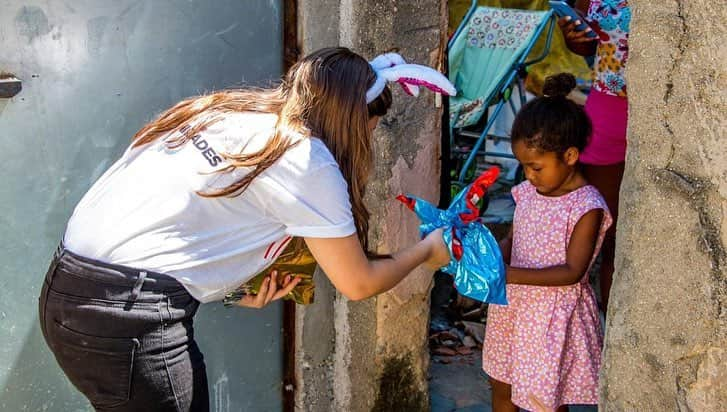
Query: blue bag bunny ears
x=476, y=261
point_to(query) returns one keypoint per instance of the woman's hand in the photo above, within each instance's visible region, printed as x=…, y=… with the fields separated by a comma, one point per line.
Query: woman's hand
x=438, y=251
x=577, y=41
x=269, y=291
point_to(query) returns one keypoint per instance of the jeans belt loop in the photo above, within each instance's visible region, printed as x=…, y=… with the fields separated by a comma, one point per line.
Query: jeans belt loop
x=137, y=286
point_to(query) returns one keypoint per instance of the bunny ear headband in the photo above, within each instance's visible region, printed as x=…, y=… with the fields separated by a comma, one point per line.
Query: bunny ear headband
x=391, y=67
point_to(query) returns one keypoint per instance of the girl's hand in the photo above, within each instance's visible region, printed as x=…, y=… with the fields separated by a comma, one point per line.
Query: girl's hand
x=269, y=291
x=577, y=41
x=438, y=251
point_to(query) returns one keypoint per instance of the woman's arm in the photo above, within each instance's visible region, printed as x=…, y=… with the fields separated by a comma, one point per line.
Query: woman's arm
x=357, y=277
x=578, y=257
x=577, y=41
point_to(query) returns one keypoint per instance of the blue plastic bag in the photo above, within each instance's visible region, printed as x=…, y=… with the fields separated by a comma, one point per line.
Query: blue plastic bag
x=475, y=258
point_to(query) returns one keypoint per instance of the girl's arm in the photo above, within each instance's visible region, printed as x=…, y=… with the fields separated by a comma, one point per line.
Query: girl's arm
x=355, y=276
x=580, y=252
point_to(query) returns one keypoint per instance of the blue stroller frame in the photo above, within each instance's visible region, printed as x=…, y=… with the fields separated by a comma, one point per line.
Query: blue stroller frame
x=499, y=69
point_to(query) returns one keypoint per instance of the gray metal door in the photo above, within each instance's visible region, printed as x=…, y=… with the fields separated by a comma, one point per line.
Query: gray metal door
x=93, y=72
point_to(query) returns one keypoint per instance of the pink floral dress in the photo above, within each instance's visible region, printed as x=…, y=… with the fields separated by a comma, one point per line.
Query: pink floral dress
x=547, y=341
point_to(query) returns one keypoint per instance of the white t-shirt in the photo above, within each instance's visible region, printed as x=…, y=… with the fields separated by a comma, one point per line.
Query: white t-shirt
x=144, y=212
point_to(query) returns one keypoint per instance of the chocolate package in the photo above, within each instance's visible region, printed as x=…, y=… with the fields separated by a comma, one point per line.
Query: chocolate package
x=295, y=260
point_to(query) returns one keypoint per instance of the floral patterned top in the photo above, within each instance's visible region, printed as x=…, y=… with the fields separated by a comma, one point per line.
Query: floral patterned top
x=610, y=20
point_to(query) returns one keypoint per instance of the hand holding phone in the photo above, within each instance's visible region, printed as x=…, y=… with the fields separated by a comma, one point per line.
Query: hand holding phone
x=571, y=21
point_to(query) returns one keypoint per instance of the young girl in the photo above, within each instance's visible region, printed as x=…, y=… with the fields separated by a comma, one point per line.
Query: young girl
x=205, y=197
x=546, y=343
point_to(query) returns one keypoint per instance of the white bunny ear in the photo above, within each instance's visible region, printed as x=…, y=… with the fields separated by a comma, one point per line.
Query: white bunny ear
x=386, y=60
x=374, y=91
x=381, y=62
x=392, y=67
x=417, y=75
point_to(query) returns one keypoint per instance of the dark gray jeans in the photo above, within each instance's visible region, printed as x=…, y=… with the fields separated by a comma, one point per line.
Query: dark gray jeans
x=123, y=336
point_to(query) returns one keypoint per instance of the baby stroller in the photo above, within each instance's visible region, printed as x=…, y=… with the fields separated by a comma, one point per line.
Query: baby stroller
x=488, y=61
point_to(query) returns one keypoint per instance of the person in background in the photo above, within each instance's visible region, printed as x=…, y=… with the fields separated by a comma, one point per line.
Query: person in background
x=604, y=156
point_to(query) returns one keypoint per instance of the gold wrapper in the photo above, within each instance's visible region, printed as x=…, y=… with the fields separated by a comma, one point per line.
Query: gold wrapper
x=296, y=260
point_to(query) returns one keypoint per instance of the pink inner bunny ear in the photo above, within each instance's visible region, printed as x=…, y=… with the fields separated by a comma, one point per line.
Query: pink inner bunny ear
x=409, y=89
x=418, y=82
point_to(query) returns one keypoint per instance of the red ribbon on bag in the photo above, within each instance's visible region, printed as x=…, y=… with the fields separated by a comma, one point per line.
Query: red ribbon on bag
x=477, y=191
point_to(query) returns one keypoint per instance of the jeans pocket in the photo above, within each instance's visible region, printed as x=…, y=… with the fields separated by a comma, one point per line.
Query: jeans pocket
x=100, y=367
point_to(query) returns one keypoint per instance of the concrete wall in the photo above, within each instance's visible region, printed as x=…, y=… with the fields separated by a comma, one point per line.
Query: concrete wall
x=666, y=334
x=372, y=355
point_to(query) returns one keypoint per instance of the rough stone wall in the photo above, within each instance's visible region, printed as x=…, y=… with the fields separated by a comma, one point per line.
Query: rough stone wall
x=666, y=333
x=379, y=359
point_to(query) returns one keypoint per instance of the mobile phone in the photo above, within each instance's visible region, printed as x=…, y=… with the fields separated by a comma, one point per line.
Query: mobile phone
x=562, y=9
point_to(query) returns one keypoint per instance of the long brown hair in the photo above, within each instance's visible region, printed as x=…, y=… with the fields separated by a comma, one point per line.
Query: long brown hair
x=323, y=95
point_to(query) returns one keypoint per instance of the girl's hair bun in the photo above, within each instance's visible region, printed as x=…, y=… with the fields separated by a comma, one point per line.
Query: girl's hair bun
x=553, y=123
x=559, y=85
